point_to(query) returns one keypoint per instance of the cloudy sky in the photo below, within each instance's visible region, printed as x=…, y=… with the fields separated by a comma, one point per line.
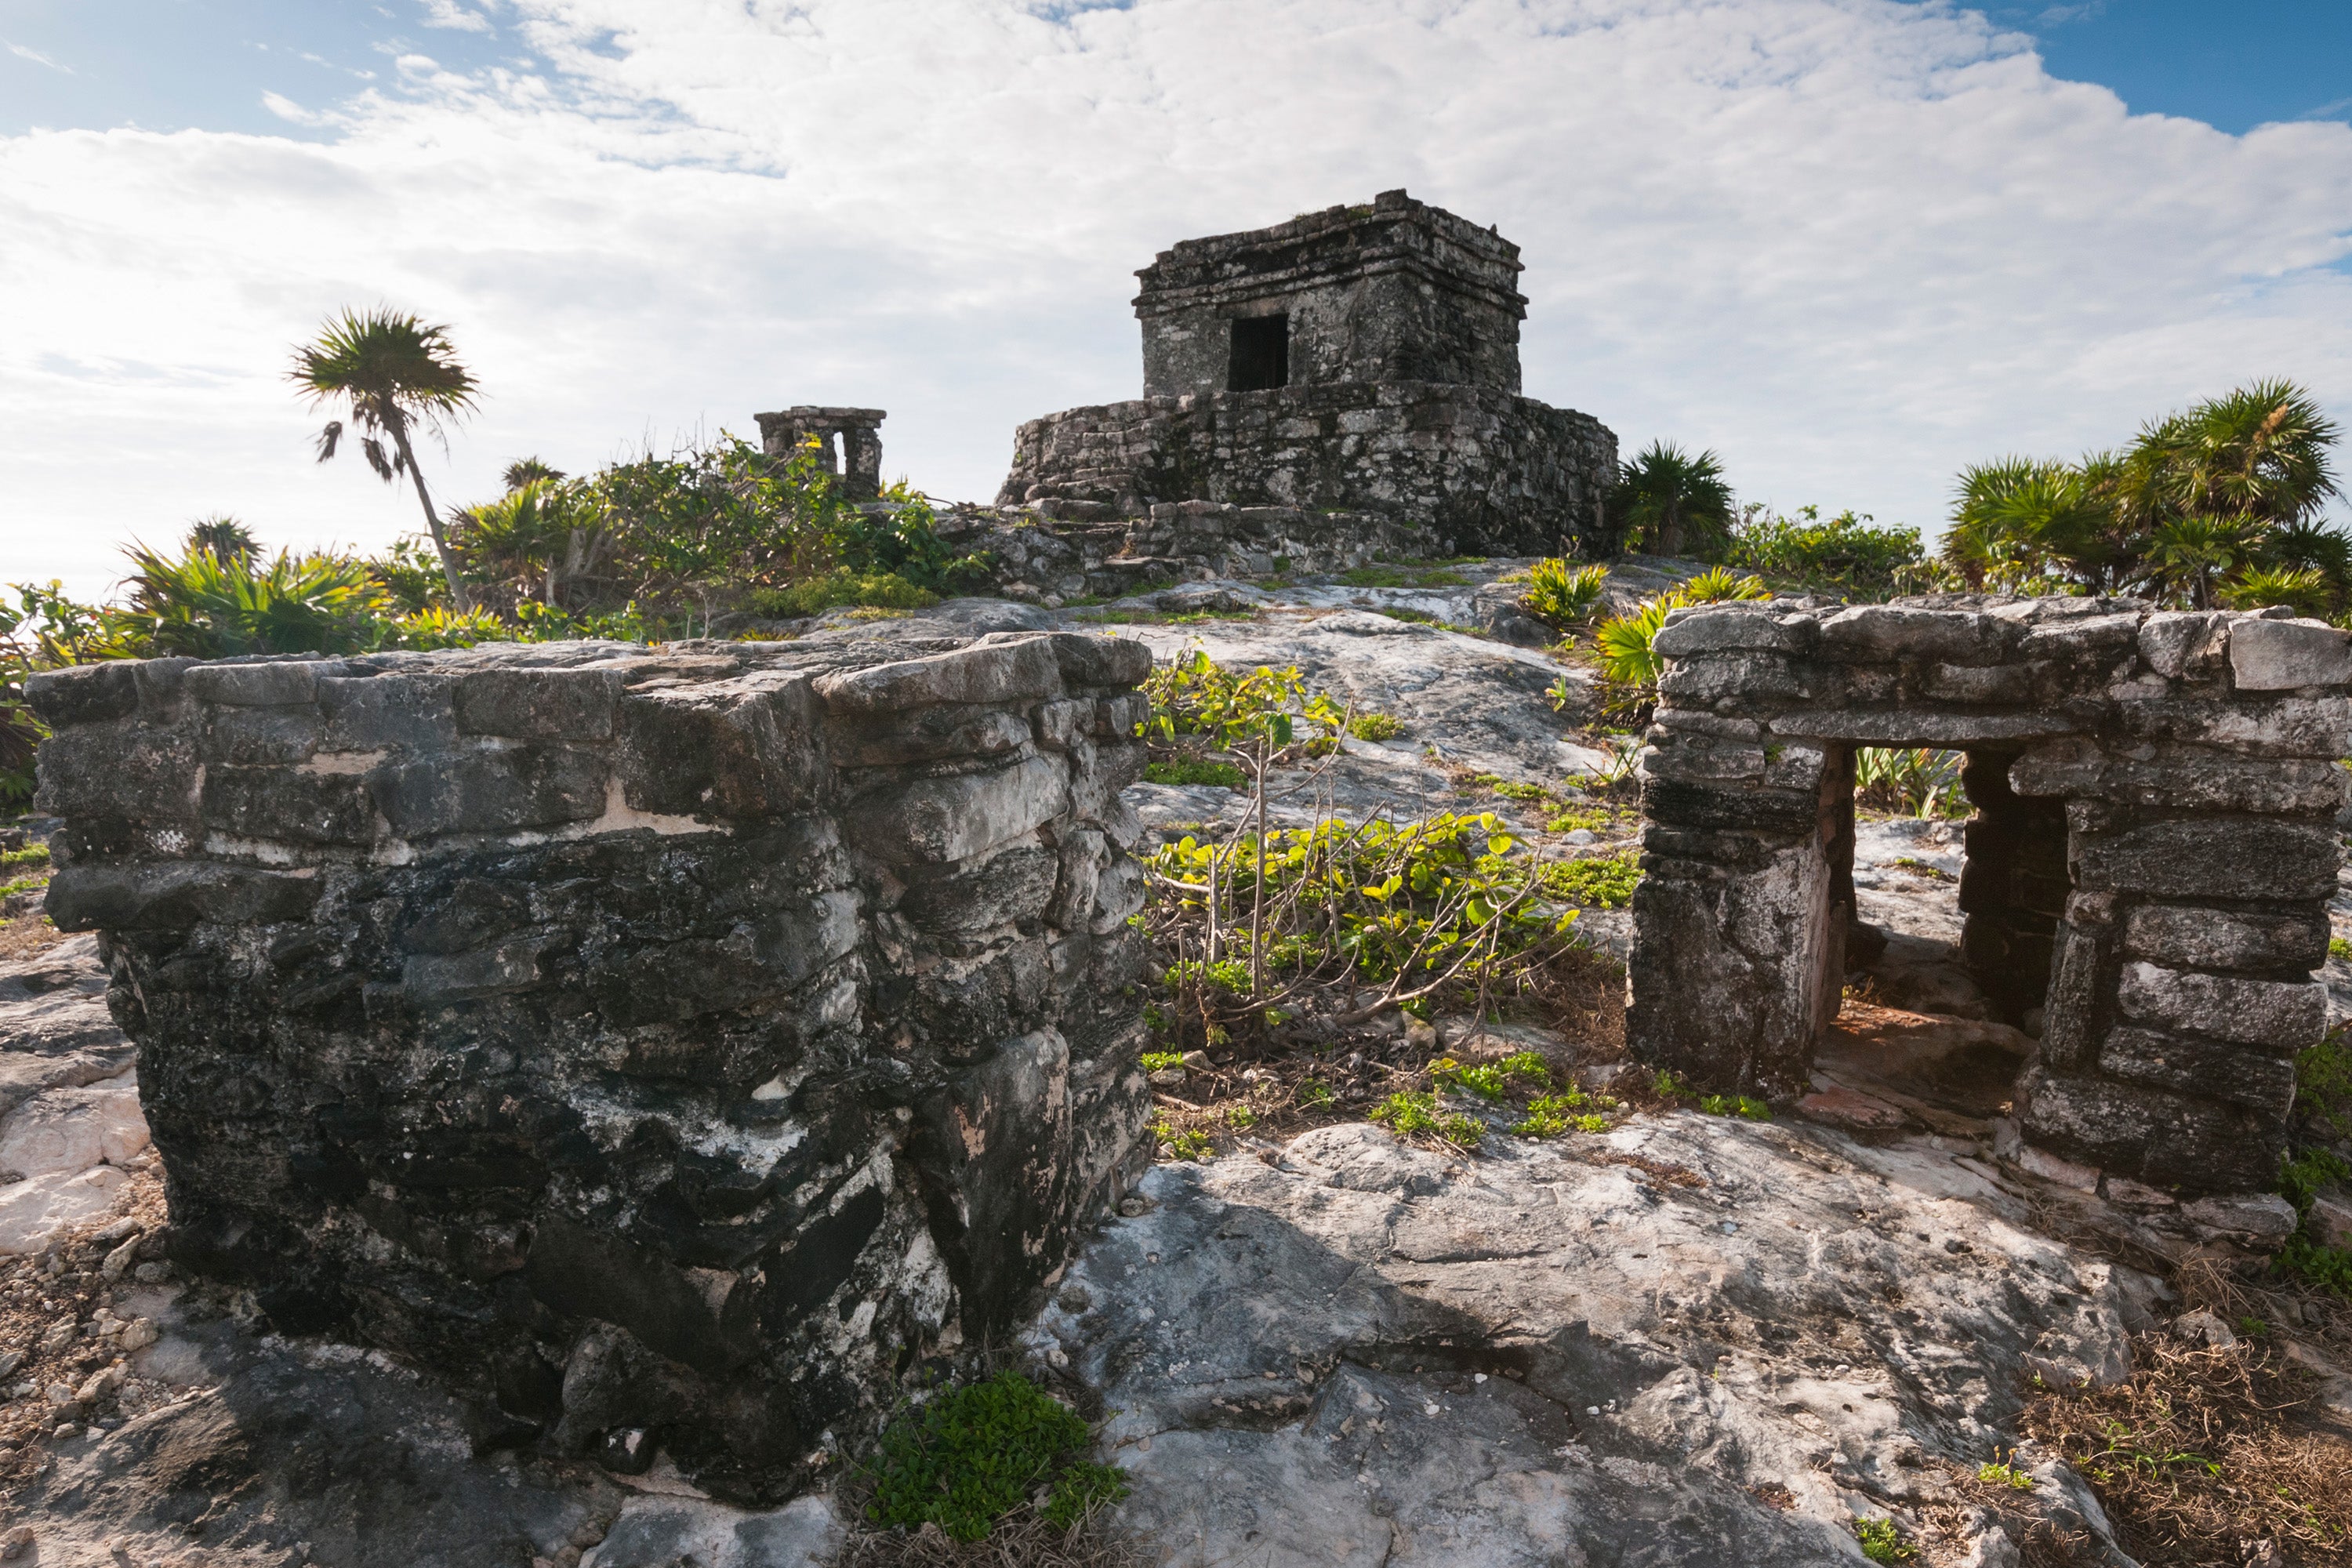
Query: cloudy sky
x=1849, y=244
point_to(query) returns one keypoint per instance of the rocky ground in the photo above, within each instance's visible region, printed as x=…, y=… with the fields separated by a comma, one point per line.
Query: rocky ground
x=1689, y=1339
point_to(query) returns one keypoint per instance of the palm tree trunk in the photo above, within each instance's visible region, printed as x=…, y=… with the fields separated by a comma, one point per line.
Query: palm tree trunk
x=458, y=594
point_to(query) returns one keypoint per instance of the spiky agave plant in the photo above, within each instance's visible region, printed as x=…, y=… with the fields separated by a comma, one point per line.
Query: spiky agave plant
x=206, y=606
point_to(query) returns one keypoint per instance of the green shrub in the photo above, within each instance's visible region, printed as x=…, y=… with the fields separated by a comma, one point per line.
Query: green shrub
x=1161, y=1061
x=1738, y=1105
x=877, y=590
x=2340, y=948
x=970, y=1457
x=1375, y=726
x=1846, y=554
x=1550, y=1115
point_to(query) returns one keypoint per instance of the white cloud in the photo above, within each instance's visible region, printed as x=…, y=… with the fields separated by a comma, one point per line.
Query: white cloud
x=287, y=109
x=449, y=13
x=38, y=58
x=1851, y=243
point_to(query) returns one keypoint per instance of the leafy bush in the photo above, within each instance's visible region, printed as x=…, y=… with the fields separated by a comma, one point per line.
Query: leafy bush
x=1738, y=1105
x=1880, y=1542
x=203, y=605
x=879, y=589
x=1846, y=556
x=970, y=1457
x=1375, y=726
x=1563, y=595
x=1626, y=642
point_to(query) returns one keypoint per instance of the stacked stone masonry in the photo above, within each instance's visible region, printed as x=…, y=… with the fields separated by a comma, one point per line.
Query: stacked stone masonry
x=848, y=443
x=1359, y=360
x=2149, y=865
x=674, y=1046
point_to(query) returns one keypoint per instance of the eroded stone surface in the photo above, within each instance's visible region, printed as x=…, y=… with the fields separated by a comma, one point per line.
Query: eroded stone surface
x=671, y=1047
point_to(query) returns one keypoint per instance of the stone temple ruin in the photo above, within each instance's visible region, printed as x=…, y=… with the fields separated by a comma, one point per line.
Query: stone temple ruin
x=848, y=443
x=2147, y=873
x=671, y=1047
x=1354, y=370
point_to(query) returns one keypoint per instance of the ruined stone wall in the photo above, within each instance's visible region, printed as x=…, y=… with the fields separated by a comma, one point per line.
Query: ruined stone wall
x=2149, y=869
x=1394, y=291
x=1487, y=472
x=671, y=1047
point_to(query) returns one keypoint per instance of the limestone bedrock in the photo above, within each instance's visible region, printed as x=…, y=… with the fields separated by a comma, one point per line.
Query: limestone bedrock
x=671, y=1047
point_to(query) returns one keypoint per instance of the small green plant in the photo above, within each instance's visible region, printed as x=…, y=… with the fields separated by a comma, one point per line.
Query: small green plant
x=872, y=590
x=1239, y=1118
x=1670, y=1085
x=2340, y=948
x=2005, y=1472
x=1375, y=726
x=1190, y=772
x=1603, y=881
x=1563, y=595
x=1591, y=818
x=1738, y=1105
x=1528, y=1065
x=1550, y=1115
x=1410, y=1114
x=1917, y=780
x=970, y=1457
x=1192, y=1145
x=1487, y=1082
x=1511, y=789
x=2301, y=1179
x=1920, y=868
x=31, y=854
x=1314, y=1094
x=1161, y=1061
x=21, y=885
x=1880, y=1542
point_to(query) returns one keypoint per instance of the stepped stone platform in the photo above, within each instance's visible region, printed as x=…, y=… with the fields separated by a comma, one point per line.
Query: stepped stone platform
x=672, y=1048
x=2147, y=877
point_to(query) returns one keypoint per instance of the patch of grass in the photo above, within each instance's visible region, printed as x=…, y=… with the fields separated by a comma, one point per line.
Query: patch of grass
x=2338, y=948
x=1920, y=868
x=1239, y=1118
x=1402, y=577
x=2300, y=1179
x=1202, y=618
x=1487, y=1080
x=23, y=885
x=1881, y=1542
x=1604, y=882
x=1738, y=1105
x=2202, y=1449
x=969, y=1457
x=1193, y=773
x=1314, y=1094
x=1191, y=1145
x=2323, y=1079
x=1512, y=789
x=31, y=854
x=1591, y=818
x=1375, y=726
x=1161, y=1061
x=1411, y=1114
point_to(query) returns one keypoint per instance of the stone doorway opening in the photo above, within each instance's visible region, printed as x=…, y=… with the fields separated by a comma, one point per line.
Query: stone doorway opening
x=2152, y=852
x=1949, y=888
x=1260, y=358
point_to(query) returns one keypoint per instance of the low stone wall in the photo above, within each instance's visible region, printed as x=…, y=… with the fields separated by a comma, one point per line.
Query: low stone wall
x=1061, y=549
x=1489, y=472
x=671, y=1047
x=2148, y=872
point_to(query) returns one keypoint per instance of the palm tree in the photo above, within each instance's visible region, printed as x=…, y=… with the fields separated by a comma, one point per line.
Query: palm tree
x=394, y=375
x=523, y=471
x=220, y=534
x=1675, y=501
x=2259, y=452
x=2194, y=549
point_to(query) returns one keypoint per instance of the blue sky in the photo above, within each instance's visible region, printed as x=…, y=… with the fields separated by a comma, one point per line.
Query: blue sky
x=1850, y=244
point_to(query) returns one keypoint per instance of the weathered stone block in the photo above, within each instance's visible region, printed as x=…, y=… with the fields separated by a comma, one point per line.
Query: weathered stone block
x=2259, y=1081
x=1687, y=805
x=1023, y=671
x=2198, y=937
x=958, y=818
x=170, y=894
x=1918, y=726
x=268, y=683
x=387, y=712
x=2176, y=1141
x=744, y=748
x=532, y=785
x=2279, y=1015
x=1895, y=631
x=1756, y=631
x=85, y=694
x=2090, y=639
x=2246, y=858
x=120, y=768
x=2280, y=655
x=2185, y=647
x=2318, y=727
x=287, y=804
x=539, y=704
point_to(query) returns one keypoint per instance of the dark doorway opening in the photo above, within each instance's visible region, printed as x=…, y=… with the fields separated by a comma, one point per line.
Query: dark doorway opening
x=1947, y=889
x=1261, y=353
